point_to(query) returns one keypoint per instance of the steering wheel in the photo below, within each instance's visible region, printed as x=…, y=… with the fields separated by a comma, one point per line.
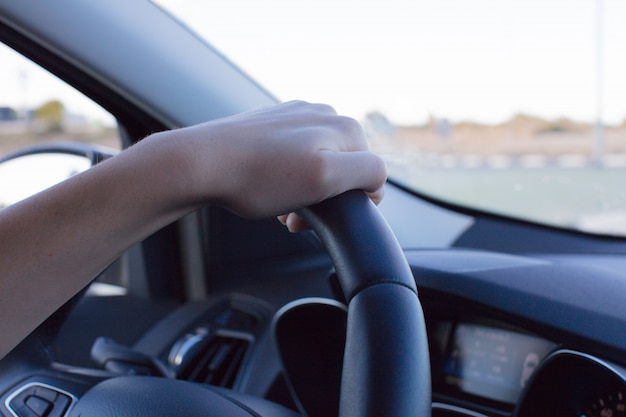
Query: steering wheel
x=386, y=369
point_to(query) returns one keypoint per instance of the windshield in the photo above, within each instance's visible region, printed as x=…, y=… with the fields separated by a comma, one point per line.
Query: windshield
x=512, y=107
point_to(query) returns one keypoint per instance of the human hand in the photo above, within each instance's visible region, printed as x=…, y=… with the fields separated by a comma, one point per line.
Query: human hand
x=274, y=160
x=267, y=162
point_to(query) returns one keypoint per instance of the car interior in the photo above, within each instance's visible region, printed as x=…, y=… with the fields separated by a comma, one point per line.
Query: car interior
x=419, y=306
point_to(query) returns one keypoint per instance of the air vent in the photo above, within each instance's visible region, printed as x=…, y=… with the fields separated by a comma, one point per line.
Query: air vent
x=219, y=362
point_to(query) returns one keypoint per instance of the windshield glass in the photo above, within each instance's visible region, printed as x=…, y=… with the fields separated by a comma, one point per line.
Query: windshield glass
x=512, y=107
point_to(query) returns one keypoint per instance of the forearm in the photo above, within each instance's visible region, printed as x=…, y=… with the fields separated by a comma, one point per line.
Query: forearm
x=262, y=163
x=56, y=242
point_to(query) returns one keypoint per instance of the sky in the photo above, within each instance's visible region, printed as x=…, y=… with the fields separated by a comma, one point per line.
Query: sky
x=478, y=60
x=481, y=60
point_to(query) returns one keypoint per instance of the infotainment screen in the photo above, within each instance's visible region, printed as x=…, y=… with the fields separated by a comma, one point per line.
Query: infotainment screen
x=492, y=362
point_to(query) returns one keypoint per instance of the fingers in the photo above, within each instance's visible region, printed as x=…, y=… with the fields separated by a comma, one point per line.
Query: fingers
x=343, y=161
x=296, y=224
x=293, y=222
x=345, y=135
x=349, y=162
x=278, y=159
x=360, y=170
x=339, y=133
x=351, y=170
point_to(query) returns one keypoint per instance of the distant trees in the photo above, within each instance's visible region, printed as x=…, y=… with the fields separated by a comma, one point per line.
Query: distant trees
x=52, y=114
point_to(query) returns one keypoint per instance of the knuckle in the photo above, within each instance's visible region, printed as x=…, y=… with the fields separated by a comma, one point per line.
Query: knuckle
x=297, y=103
x=321, y=178
x=352, y=129
x=324, y=108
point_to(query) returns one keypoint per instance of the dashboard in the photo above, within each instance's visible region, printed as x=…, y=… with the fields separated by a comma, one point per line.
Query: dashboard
x=501, y=345
x=487, y=368
x=490, y=356
x=483, y=363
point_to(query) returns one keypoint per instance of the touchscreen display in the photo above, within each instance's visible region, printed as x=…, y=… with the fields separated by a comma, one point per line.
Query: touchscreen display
x=492, y=362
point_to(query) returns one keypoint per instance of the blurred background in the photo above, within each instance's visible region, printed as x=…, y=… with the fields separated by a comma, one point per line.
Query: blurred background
x=513, y=107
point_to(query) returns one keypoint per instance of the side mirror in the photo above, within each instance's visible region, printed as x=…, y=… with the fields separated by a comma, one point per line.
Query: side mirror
x=30, y=170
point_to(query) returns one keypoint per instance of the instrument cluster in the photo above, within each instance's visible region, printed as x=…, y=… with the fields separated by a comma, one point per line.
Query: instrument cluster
x=570, y=383
x=521, y=374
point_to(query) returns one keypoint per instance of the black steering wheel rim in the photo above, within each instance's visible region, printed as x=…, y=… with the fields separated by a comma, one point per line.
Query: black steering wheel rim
x=386, y=370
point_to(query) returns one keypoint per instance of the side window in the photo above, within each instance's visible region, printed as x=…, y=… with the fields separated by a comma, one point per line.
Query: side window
x=36, y=108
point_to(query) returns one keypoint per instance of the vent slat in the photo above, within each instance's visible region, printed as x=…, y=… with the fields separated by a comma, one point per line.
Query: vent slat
x=234, y=364
x=220, y=362
x=219, y=357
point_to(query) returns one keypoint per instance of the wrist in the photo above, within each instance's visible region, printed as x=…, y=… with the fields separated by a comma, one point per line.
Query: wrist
x=183, y=166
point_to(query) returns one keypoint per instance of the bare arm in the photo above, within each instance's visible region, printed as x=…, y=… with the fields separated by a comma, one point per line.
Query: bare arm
x=259, y=164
